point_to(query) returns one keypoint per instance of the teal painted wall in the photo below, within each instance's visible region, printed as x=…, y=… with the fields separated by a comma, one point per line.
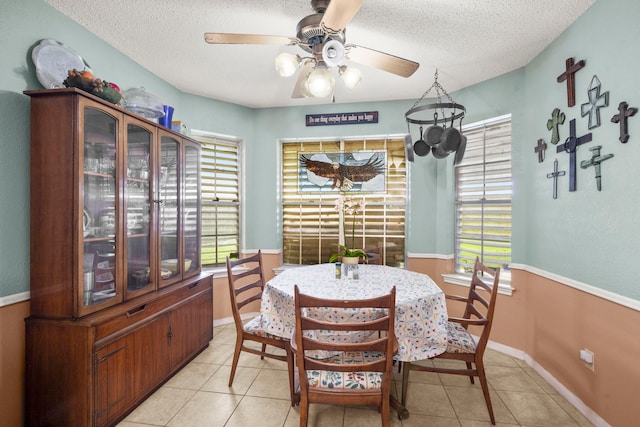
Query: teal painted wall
x=588, y=236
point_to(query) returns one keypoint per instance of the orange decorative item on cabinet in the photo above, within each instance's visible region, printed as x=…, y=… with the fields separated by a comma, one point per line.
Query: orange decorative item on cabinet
x=113, y=196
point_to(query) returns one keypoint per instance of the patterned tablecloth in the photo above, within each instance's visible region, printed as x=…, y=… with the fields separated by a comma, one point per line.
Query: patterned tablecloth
x=421, y=314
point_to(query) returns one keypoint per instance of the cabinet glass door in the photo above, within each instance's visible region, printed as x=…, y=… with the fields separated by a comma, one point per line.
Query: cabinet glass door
x=99, y=210
x=137, y=209
x=191, y=208
x=169, y=208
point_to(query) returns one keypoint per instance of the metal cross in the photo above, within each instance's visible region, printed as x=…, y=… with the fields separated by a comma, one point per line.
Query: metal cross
x=569, y=76
x=555, y=174
x=596, y=102
x=570, y=146
x=557, y=118
x=540, y=149
x=621, y=117
x=595, y=161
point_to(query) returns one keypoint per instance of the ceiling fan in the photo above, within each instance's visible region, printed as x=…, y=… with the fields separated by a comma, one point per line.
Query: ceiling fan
x=322, y=35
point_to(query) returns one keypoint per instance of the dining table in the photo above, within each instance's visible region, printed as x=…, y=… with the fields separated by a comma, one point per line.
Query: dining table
x=420, y=318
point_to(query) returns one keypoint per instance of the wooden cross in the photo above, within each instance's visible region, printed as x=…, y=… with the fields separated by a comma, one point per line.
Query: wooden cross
x=621, y=117
x=596, y=102
x=570, y=146
x=569, y=76
x=540, y=149
x=555, y=174
x=557, y=118
x=595, y=161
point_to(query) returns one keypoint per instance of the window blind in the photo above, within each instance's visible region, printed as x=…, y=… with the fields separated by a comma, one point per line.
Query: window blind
x=220, y=192
x=310, y=222
x=483, y=196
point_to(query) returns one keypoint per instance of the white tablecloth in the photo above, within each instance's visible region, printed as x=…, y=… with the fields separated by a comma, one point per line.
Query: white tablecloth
x=421, y=314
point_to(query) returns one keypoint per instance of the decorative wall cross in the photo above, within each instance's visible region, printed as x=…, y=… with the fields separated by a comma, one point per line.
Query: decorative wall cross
x=570, y=146
x=621, y=117
x=555, y=174
x=540, y=149
x=569, y=76
x=595, y=161
x=557, y=118
x=596, y=102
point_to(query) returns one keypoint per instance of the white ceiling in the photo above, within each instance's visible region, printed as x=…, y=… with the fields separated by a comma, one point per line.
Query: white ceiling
x=467, y=41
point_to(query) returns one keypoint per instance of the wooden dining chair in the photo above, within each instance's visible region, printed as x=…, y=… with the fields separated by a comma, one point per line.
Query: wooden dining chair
x=246, y=283
x=356, y=373
x=478, y=312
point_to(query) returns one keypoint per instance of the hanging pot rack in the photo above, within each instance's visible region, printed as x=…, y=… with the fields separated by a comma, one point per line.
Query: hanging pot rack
x=451, y=111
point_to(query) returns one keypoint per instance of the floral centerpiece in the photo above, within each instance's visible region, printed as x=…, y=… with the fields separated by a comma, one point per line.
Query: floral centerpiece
x=348, y=206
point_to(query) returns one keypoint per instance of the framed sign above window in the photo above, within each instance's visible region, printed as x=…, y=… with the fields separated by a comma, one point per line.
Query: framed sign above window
x=352, y=171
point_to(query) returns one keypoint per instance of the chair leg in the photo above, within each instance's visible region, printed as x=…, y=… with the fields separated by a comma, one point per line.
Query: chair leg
x=406, y=367
x=485, y=390
x=236, y=357
x=304, y=411
x=385, y=412
x=469, y=366
x=290, y=366
x=264, y=350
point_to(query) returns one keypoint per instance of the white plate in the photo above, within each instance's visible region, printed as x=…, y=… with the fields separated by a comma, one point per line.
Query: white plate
x=53, y=62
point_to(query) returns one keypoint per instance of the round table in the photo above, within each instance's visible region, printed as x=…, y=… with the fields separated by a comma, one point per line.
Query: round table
x=421, y=314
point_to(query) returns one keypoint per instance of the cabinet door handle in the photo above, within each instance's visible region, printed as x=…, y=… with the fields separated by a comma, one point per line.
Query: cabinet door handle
x=193, y=285
x=136, y=310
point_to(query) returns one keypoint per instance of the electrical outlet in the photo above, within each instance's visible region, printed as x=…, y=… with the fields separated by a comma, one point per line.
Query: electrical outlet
x=589, y=358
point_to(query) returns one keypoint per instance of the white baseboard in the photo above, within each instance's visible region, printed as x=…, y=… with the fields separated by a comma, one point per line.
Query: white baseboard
x=557, y=385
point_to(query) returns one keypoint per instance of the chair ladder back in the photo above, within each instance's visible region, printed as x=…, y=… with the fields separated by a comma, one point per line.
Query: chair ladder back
x=247, y=276
x=487, y=301
x=380, y=324
x=381, y=344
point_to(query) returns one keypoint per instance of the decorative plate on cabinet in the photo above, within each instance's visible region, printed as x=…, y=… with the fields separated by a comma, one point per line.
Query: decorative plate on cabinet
x=53, y=62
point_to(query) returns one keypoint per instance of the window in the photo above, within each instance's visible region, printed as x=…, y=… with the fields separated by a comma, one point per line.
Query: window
x=483, y=196
x=310, y=223
x=220, y=192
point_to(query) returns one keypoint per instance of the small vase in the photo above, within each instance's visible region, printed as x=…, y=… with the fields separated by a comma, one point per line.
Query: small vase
x=350, y=260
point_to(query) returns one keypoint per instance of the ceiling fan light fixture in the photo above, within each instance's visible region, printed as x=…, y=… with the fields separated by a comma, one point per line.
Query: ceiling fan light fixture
x=350, y=76
x=287, y=64
x=333, y=53
x=320, y=81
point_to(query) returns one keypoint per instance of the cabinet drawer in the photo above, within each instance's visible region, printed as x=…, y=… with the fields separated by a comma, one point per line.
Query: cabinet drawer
x=133, y=316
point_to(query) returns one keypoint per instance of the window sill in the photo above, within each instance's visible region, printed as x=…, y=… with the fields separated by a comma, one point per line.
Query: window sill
x=284, y=267
x=504, y=286
x=218, y=272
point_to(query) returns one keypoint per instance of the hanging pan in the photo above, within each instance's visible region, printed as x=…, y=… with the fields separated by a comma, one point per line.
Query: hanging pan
x=433, y=133
x=450, y=139
x=420, y=147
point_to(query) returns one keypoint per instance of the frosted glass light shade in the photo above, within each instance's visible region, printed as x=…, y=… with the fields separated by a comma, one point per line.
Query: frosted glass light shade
x=350, y=76
x=286, y=64
x=321, y=81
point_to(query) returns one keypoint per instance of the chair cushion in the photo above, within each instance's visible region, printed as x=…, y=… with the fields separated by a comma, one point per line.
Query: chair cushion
x=254, y=326
x=347, y=380
x=459, y=340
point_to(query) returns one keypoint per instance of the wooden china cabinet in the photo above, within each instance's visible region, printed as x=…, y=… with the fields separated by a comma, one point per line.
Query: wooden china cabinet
x=118, y=299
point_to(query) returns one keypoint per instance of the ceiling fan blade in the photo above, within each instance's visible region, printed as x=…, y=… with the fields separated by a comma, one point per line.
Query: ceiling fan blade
x=339, y=13
x=384, y=61
x=298, y=90
x=228, y=38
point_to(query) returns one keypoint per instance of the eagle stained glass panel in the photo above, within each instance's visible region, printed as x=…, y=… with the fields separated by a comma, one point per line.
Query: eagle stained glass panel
x=356, y=171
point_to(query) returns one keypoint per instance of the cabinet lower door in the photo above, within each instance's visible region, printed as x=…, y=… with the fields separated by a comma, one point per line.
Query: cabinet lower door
x=129, y=368
x=192, y=328
x=114, y=382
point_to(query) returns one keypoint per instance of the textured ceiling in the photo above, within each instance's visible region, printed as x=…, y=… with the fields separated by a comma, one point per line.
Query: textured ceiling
x=468, y=41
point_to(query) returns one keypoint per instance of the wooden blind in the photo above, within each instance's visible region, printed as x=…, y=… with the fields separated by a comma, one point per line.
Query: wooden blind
x=220, y=192
x=483, y=196
x=310, y=223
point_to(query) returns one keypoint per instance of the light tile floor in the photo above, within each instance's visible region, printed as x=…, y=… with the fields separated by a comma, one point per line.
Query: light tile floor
x=198, y=395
